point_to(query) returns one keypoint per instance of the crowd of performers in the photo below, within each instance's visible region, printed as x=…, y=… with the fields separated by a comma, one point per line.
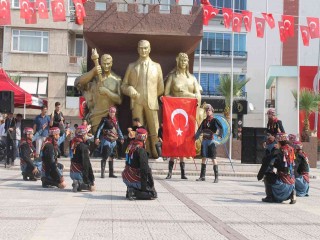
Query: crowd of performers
x=284, y=170
x=285, y=167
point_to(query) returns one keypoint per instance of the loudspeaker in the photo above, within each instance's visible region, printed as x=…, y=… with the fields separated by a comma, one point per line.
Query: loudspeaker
x=26, y=123
x=6, y=102
x=252, y=150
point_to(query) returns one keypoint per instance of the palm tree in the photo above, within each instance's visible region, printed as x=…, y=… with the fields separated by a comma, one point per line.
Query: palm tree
x=309, y=103
x=225, y=89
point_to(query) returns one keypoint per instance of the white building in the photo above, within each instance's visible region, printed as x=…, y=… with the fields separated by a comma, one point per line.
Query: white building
x=265, y=61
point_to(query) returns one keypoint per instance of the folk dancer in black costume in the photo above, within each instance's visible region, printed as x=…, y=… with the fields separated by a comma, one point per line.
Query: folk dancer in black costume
x=137, y=174
x=208, y=128
x=108, y=131
x=81, y=170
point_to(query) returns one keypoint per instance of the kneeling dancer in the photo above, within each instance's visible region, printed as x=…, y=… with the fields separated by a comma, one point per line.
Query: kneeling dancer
x=137, y=174
x=81, y=170
x=281, y=164
x=51, y=169
x=301, y=171
x=208, y=128
x=31, y=170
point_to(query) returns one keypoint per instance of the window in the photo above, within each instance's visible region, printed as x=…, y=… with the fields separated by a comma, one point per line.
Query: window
x=211, y=81
x=80, y=47
x=37, y=86
x=72, y=91
x=238, y=4
x=15, y=4
x=220, y=44
x=30, y=41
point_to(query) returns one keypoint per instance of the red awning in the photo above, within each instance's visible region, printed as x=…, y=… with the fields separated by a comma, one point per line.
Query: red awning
x=21, y=97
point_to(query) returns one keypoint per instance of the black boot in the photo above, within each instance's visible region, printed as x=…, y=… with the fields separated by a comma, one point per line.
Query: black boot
x=48, y=183
x=75, y=185
x=203, y=172
x=293, y=197
x=25, y=178
x=84, y=186
x=131, y=194
x=268, y=189
x=103, y=167
x=182, y=167
x=111, y=175
x=216, y=173
x=171, y=163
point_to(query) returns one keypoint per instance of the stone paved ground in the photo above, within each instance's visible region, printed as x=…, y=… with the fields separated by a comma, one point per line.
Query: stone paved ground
x=231, y=209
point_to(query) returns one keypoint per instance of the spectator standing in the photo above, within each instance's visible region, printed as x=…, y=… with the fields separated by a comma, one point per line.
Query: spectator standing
x=9, y=126
x=42, y=121
x=18, y=132
x=57, y=120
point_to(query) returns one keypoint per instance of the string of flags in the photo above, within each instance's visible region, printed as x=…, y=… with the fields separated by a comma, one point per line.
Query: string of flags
x=29, y=10
x=286, y=25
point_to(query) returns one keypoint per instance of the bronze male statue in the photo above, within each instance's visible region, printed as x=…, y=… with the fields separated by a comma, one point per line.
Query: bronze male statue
x=143, y=83
x=100, y=87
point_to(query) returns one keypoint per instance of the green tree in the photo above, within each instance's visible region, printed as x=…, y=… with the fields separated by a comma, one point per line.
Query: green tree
x=225, y=90
x=309, y=103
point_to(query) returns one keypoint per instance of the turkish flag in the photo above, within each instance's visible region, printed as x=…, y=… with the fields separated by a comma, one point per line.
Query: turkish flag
x=24, y=9
x=313, y=24
x=32, y=19
x=80, y=12
x=209, y=12
x=58, y=11
x=42, y=7
x=288, y=24
x=179, y=121
x=260, y=25
x=305, y=34
x=247, y=19
x=82, y=107
x=227, y=16
x=283, y=35
x=270, y=20
x=5, y=14
x=236, y=22
x=205, y=2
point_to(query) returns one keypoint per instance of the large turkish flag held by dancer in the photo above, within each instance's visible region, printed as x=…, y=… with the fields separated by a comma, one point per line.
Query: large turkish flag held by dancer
x=179, y=121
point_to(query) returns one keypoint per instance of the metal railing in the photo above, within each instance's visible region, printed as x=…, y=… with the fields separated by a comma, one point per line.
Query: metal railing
x=207, y=92
x=242, y=54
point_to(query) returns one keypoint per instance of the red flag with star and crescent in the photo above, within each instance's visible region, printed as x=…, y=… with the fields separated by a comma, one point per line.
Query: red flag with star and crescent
x=5, y=15
x=179, y=122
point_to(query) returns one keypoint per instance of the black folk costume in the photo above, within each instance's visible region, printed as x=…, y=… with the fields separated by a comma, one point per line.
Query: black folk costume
x=27, y=153
x=137, y=174
x=81, y=169
x=279, y=184
x=108, y=132
x=301, y=171
x=208, y=128
x=51, y=169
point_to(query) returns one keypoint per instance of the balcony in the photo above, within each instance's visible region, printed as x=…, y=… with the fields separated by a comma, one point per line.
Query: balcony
x=220, y=53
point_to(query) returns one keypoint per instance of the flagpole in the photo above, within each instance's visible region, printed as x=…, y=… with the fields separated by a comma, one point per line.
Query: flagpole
x=265, y=71
x=231, y=86
x=298, y=73
x=200, y=62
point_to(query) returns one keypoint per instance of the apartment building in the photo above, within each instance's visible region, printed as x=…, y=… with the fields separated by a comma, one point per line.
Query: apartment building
x=45, y=58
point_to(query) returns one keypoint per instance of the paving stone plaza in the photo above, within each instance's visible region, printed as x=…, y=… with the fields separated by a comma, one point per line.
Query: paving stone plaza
x=184, y=209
